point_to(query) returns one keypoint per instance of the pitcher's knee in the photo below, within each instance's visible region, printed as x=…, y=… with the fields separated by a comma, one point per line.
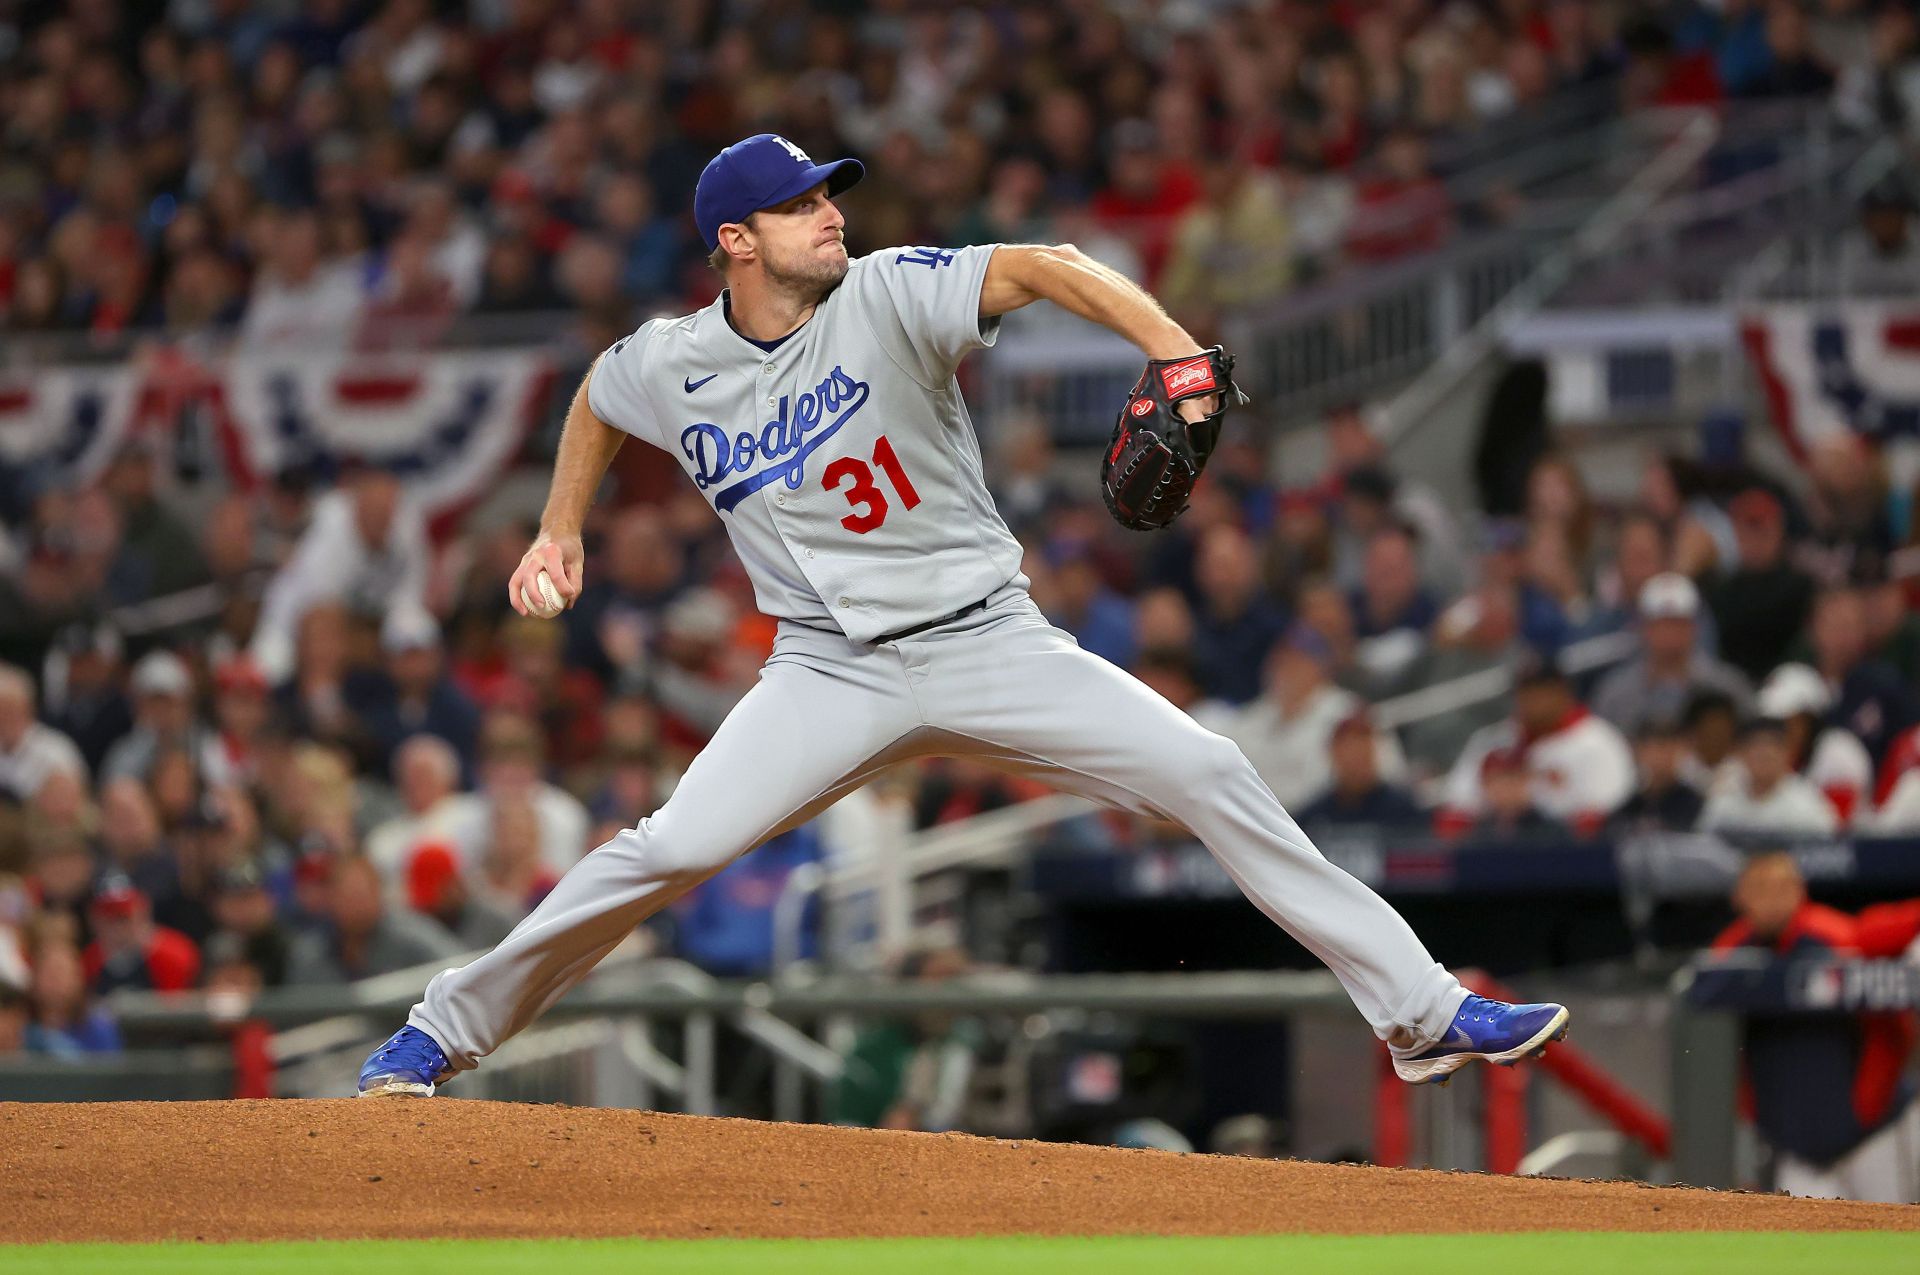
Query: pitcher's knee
x=660, y=849
x=1208, y=762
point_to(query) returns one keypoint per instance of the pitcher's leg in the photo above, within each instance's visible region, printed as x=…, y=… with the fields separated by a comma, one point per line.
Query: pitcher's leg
x=1111, y=737
x=796, y=736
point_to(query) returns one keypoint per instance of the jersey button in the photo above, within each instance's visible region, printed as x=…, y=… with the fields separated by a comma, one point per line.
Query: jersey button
x=767, y=370
x=844, y=603
x=780, y=499
x=809, y=553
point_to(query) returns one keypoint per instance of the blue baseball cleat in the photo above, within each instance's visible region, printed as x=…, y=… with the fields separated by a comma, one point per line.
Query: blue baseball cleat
x=407, y=1066
x=1485, y=1029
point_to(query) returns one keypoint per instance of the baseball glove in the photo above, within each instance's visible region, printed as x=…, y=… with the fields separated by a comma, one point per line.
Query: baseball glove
x=1156, y=455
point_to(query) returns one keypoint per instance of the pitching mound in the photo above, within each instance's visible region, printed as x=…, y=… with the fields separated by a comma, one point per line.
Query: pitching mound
x=342, y=1169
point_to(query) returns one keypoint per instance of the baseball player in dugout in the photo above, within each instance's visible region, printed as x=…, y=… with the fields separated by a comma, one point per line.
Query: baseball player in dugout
x=815, y=404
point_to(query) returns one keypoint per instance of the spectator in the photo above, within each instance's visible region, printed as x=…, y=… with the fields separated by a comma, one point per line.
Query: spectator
x=301, y=301
x=1099, y=619
x=635, y=773
x=1403, y=209
x=1828, y=1092
x=16, y=1017
x=163, y=715
x=534, y=682
x=1357, y=795
x=1793, y=68
x=1761, y=605
x=243, y=909
x=366, y=548
x=512, y=873
x=1235, y=623
x=1766, y=796
x=1833, y=760
x=160, y=555
x=1286, y=733
x=1893, y=630
x=1392, y=609
x=1557, y=607
x=242, y=720
x=1358, y=459
x=1232, y=248
x=362, y=936
x=60, y=878
x=1852, y=519
x=1478, y=634
x=1712, y=724
x=512, y=757
x=83, y=697
x=1024, y=487
x=1508, y=812
x=232, y=981
x=725, y=925
x=1146, y=193
x=131, y=837
x=437, y=887
x=130, y=951
x=30, y=750
x=911, y=1073
x=413, y=695
x=318, y=701
x=701, y=673
x=1579, y=767
x=1663, y=800
x=65, y=1024
x=1881, y=257
x=612, y=628
x=1671, y=667
x=1870, y=699
x=426, y=774
x=1640, y=553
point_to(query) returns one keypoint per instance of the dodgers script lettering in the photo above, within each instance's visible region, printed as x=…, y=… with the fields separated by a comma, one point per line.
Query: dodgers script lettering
x=780, y=448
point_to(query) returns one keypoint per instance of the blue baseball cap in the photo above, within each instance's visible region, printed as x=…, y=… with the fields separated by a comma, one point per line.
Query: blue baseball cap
x=759, y=172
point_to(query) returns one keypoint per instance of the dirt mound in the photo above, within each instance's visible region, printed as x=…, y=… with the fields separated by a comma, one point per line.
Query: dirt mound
x=300, y=1170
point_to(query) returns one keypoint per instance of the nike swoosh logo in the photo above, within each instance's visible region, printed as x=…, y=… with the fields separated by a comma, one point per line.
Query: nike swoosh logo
x=693, y=385
x=1456, y=1039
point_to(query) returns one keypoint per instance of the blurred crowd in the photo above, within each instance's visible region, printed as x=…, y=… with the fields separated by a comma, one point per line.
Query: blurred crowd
x=292, y=734
x=294, y=738
x=331, y=172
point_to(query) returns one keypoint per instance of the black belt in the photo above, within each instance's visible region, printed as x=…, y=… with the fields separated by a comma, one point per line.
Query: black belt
x=931, y=624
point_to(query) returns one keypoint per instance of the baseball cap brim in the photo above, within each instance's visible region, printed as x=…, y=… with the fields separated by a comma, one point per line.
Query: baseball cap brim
x=840, y=175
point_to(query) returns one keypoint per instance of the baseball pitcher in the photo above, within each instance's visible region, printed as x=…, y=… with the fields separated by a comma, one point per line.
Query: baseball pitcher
x=814, y=403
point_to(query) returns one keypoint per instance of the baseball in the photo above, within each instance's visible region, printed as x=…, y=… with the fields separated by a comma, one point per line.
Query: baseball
x=549, y=603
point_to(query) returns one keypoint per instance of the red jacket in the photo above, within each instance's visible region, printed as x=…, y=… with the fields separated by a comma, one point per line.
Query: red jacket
x=1886, y=1038
x=172, y=965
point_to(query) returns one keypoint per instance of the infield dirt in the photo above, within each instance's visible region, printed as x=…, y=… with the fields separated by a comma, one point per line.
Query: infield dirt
x=400, y=1169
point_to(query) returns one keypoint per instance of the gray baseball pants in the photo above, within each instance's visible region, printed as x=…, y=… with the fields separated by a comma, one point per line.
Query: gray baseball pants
x=1001, y=685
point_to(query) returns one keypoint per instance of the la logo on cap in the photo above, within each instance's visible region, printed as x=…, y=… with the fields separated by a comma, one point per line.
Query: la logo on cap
x=793, y=150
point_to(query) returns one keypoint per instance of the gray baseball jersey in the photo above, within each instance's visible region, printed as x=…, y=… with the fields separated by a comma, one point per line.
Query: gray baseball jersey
x=843, y=461
x=847, y=472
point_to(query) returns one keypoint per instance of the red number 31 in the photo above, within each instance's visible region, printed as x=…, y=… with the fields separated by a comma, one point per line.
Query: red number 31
x=865, y=495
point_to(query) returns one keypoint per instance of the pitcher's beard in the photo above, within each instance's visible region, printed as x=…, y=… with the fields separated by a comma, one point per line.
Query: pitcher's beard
x=812, y=278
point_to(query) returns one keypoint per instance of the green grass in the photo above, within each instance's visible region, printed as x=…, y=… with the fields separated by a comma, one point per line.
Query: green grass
x=1563, y=1254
